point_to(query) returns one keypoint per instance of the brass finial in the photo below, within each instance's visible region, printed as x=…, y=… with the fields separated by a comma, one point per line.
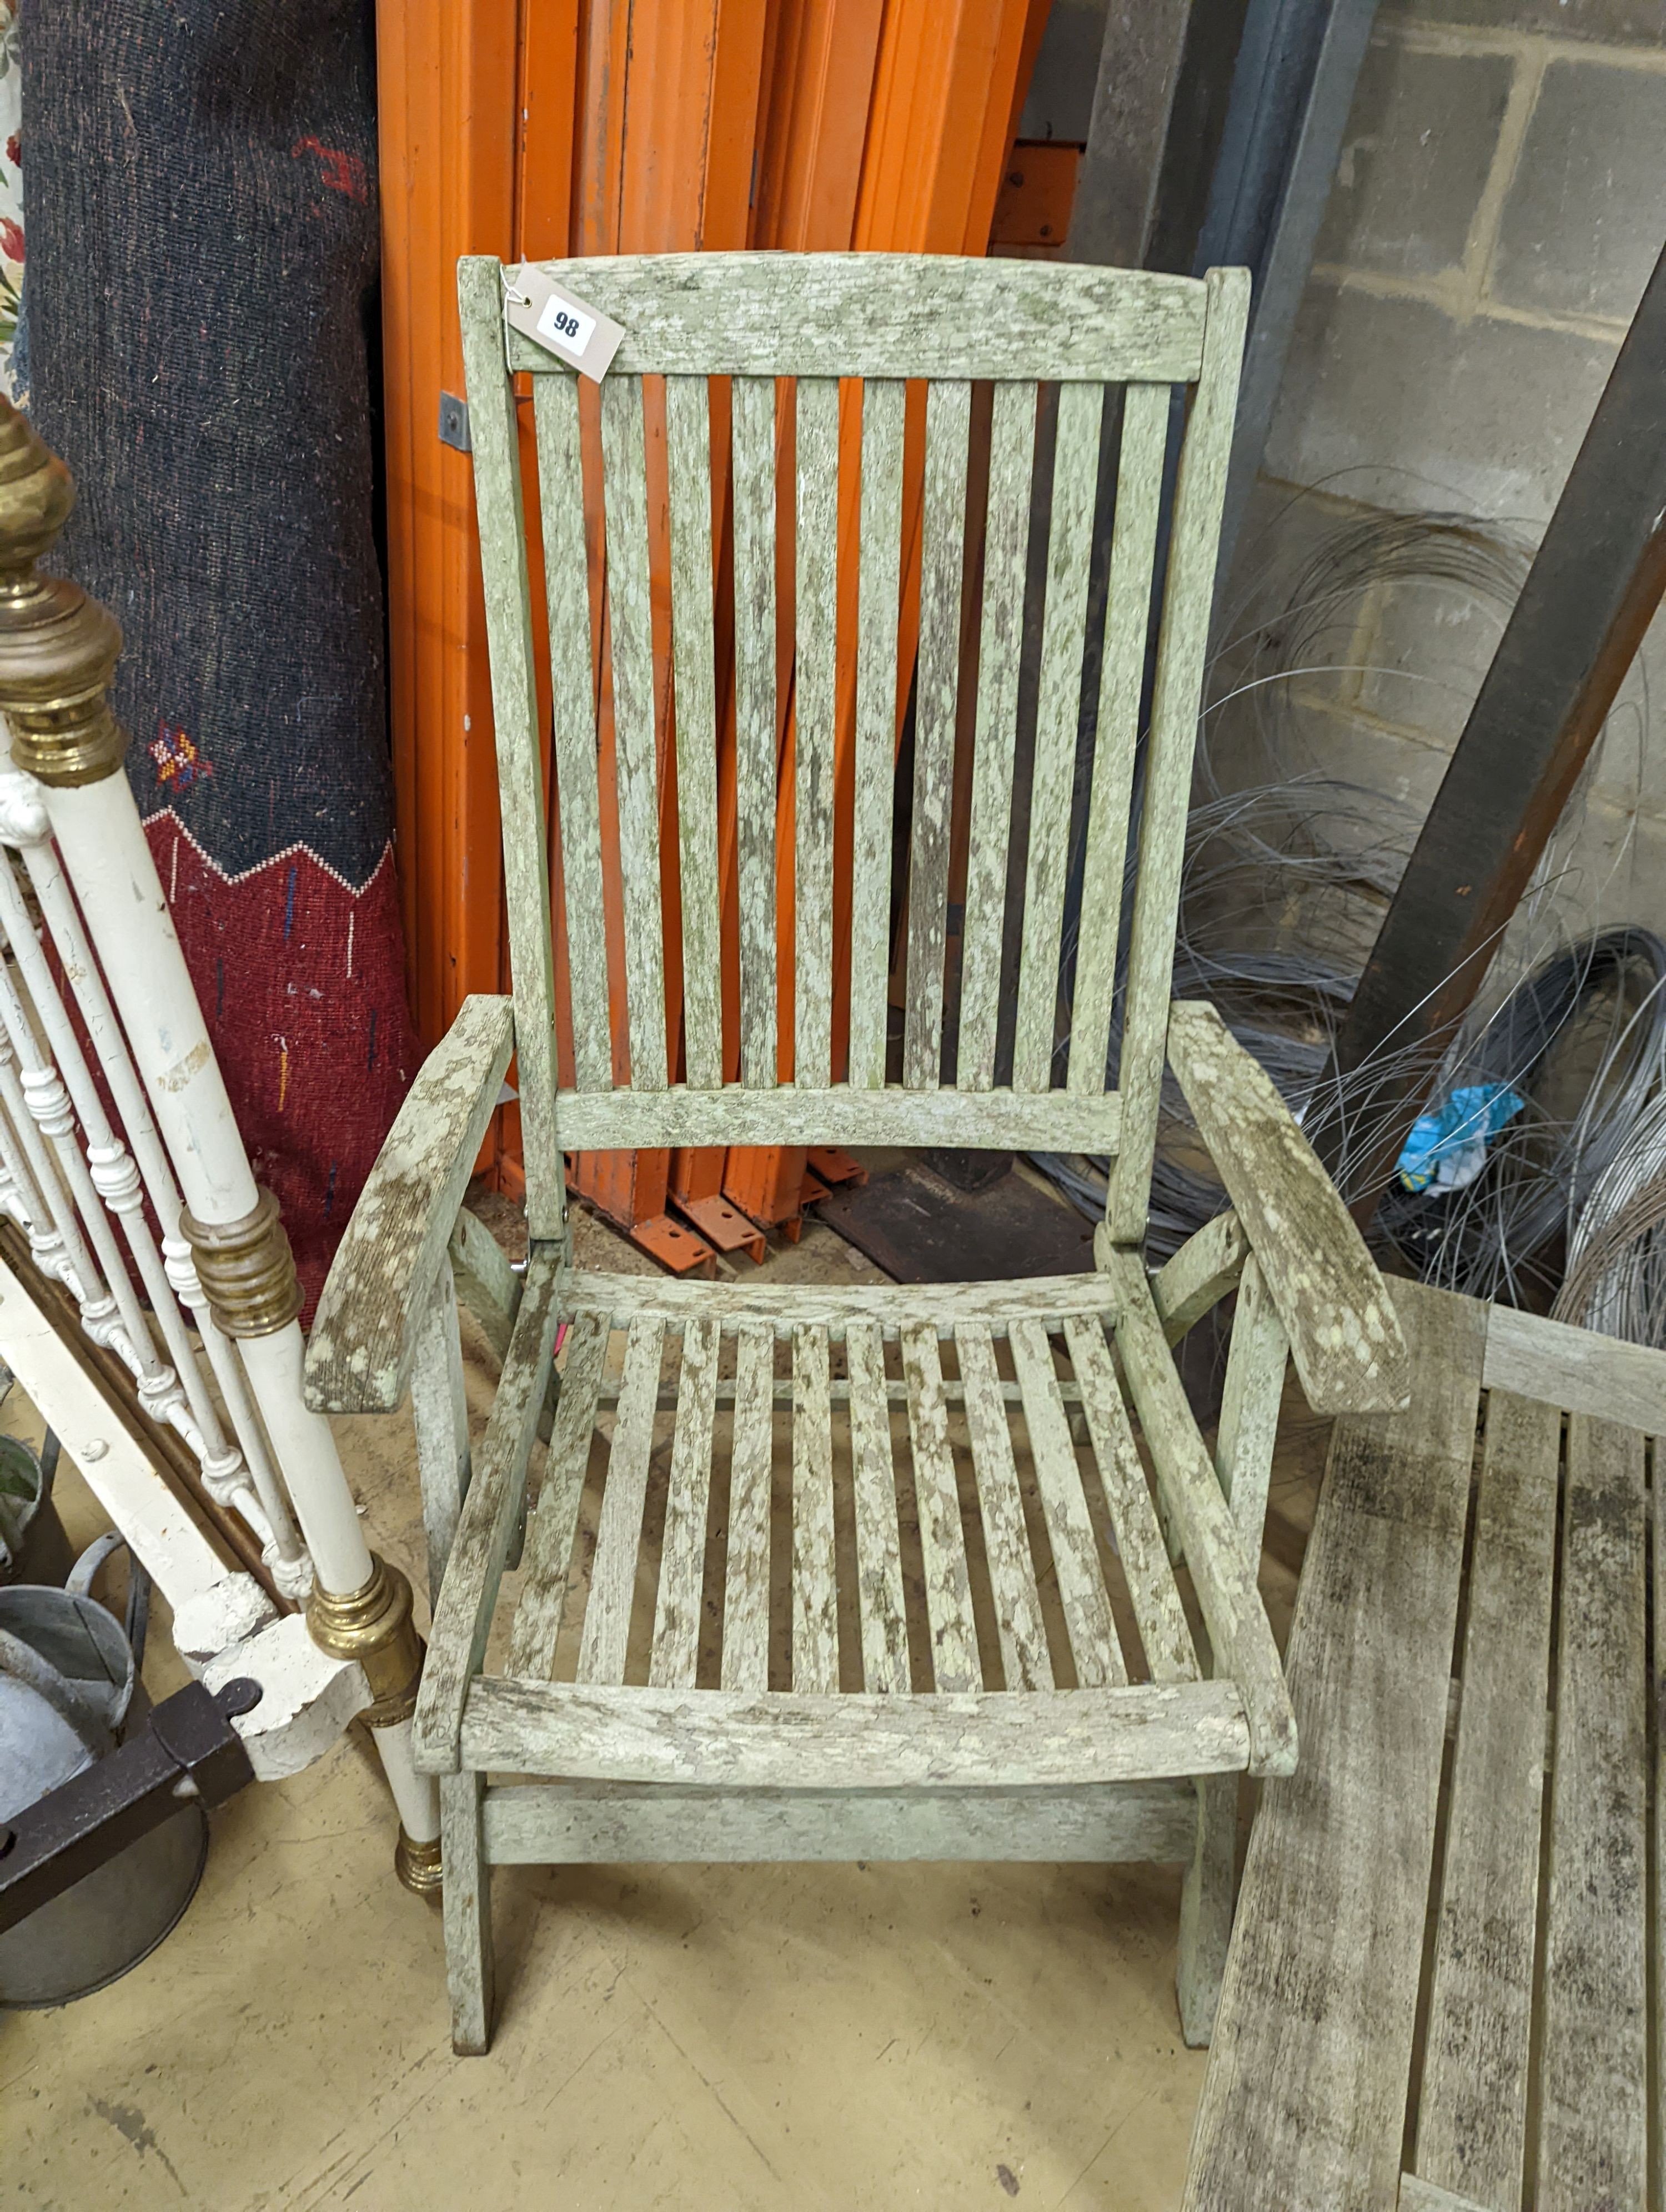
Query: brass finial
x=57, y=647
x=246, y=1270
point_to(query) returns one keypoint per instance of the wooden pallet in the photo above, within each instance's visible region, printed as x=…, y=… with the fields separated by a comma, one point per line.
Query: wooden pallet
x=1444, y=1990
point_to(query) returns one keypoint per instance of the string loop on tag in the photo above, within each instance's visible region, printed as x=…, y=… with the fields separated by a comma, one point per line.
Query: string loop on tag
x=513, y=296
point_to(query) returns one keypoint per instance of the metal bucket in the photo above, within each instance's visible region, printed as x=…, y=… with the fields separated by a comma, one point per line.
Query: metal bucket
x=33, y=1547
x=68, y=1687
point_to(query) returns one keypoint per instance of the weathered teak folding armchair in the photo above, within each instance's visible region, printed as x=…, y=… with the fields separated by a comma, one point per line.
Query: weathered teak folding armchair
x=894, y=1582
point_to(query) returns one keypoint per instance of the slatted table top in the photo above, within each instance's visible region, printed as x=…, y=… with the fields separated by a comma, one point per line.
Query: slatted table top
x=1444, y=1986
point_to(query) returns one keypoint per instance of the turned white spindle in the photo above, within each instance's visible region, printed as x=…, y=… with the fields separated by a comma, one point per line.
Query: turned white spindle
x=185, y=1403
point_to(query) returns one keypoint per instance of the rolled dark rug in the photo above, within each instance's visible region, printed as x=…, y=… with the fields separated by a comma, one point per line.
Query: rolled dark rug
x=203, y=331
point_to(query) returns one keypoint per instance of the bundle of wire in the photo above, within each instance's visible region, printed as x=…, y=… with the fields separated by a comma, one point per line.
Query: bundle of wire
x=1285, y=880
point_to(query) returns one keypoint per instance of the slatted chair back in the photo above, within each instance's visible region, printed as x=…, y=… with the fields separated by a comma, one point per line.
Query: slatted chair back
x=791, y=336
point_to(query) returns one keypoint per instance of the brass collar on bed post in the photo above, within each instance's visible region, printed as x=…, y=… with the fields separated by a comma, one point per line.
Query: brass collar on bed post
x=57, y=647
x=247, y=1269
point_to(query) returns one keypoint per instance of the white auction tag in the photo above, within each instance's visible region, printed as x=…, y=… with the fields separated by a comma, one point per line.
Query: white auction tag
x=561, y=325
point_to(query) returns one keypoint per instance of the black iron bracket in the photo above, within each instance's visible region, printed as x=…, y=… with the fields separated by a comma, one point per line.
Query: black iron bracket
x=187, y=1749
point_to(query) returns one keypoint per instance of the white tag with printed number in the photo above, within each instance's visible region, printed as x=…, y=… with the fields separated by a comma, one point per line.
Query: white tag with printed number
x=552, y=317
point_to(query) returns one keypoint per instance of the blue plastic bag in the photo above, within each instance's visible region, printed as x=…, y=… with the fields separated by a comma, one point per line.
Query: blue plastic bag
x=1447, y=1148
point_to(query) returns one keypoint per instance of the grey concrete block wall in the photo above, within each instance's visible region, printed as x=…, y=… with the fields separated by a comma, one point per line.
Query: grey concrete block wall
x=1500, y=202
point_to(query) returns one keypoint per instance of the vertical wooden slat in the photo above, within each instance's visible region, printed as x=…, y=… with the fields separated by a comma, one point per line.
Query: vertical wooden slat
x=878, y=584
x=1472, y=2109
x=514, y=713
x=1025, y=1658
x=878, y=1550
x=573, y=691
x=1250, y=1400
x=625, y=490
x=1082, y=1592
x=1122, y=673
x=754, y=449
x=687, y=447
x=440, y=1416
x=943, y=546
x=815, y=1572
x=746, y=1588
x=1593, y=2078
x=554, y=1519
x=815, y=676
x=674, y=1659
x=1188, y=597
x=618, y=1532
x=1156, y=1607
x=1005, y=545
x=1058, y=716
x=942, y=1540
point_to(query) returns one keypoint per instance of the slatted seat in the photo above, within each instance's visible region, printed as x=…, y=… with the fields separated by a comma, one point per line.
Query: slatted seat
x=876, y=1571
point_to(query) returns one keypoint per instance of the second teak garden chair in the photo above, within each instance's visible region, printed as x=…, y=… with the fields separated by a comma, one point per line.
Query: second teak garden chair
x=817, y=1573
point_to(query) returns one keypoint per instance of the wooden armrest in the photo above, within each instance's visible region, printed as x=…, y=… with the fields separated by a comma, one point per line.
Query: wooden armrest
x=1344, y=1334
x=467, y=1593
x=364, y=1337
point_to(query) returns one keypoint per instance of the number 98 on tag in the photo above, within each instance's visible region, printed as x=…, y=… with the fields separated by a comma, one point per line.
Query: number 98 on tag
x=565, y=327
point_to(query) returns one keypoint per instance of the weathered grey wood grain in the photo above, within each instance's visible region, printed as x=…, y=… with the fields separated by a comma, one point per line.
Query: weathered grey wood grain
x=942, y=1540
x=555, y=1518
x=1207, y=1894
x=485, y=1282
x=515, y=714
x=1082, y=1593
x=1122, y=673
x=1005, y=545
x=836, y=1306
x=462, y=1620
x=636, y=1823
x=1303, y=2103
x=1137, y=1732
x=1156, y=1607
x=815, y=1569
x=619, y=1530
x=1594, y=2070
x=364, y=1334
x=675, y=1657
x=689, y=462
x=1472, y=2112
x=440, y=1416
x=1075, y=478
x=937, y=685
x=1419, y=2196
x=746, y=1589
x=1576, y=1369
x=998, y=1121
x=815, y=590
x=890, y=315
x=1248, y=1424
x=878, y=1552
x=878, y=586
x=573, y=722
x=1657, y=1937
x=753, y=407
x=1025, y=1662
x=1343, y=1334
x=1188, y=598
x=1198, y=1277
x=635, y=745
x=467, y=1900
x=1223, y=1573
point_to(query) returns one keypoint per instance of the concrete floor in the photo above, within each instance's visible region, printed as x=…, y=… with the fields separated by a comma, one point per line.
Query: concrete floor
x=703, y=2037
